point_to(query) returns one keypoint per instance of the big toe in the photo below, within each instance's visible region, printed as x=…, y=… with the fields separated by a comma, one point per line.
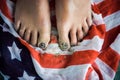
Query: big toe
x=64, y=43
x=43, y=39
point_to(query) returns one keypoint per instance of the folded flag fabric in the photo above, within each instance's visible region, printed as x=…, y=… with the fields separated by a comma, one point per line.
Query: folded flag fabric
x=95, y=58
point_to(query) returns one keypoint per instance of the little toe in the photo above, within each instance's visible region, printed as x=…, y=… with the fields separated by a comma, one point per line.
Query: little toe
x=85, y=27
x=73, y=37
x=89, y=20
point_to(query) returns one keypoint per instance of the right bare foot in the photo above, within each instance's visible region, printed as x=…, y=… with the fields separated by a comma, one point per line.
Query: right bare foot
x=73, y=21
x=32, y=21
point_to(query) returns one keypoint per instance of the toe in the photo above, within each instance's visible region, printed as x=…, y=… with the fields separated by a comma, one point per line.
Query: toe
x=80, y=34
x=64, y=43
x=17, y=25
x=33, y=39
x=73, y=37
x=85, y=27
x=21, y=31
x=43, y=39
x=27, y=35
x=89, y=20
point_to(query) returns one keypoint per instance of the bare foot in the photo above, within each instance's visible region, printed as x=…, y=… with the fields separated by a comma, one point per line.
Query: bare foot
x=73, y=19
x=32, y=21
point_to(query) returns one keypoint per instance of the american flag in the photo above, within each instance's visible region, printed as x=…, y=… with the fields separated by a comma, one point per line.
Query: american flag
x=95, y=58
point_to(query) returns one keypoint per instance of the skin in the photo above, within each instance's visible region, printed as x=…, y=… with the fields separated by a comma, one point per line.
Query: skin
x=73, y=21
x=32, y=21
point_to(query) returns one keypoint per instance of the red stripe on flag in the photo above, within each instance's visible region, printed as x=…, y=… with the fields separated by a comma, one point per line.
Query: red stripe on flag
x=96, y=30
x=108, y=7
x=61, y=61
x=5, y=10
x=88, y=73
x=110, y=37
x=96, y=68
x=110, y=57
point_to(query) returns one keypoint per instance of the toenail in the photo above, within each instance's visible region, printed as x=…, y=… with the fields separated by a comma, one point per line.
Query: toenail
x=64, y=46
x=42, y=45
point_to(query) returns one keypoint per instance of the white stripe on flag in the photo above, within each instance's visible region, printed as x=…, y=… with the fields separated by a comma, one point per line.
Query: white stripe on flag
x=94, y=44
x=107, y=72
x=10, y=24
x=77, y=72
x=10, y=5
x=97, y=19
x=112, y=20
x=116, y=44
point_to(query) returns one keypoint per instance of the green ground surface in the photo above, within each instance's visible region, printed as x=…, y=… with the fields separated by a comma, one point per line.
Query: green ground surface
x=117, y=77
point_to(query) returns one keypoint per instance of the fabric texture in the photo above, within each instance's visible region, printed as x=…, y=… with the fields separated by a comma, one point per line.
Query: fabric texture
x=95, y=58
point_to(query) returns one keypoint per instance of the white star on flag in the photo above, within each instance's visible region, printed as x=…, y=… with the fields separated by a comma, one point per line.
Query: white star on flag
x=5, y=29
x=4, y=76
x=15, y=51
x=26, y=77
